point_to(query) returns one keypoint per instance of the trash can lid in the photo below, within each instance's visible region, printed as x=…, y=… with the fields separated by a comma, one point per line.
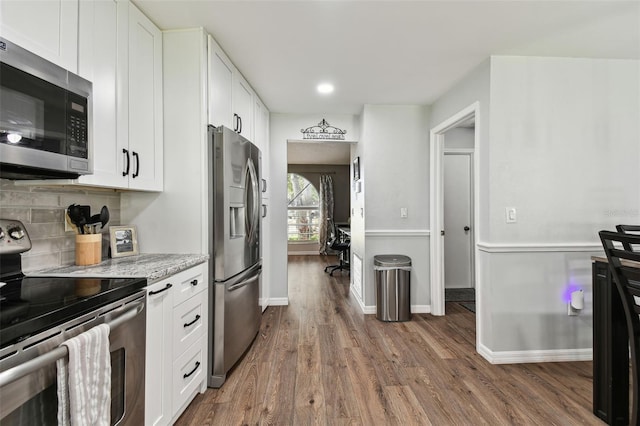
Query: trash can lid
x=391, y=260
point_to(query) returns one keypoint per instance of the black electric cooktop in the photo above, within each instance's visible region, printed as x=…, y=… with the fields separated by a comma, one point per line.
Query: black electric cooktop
x=29, y=305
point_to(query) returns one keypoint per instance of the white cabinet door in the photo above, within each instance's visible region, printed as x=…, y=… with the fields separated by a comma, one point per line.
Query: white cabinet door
x=243, y=106
x=102, y=59
x=159, y=359
x=48, y=28
x=145, y=103
x=221, y=72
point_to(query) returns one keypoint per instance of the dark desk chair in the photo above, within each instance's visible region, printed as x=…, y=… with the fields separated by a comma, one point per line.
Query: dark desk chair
x=342, y=247
x=627, y=280
x=629, y=229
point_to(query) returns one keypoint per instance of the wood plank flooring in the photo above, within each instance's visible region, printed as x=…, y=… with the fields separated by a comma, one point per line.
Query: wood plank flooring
x=319, y=361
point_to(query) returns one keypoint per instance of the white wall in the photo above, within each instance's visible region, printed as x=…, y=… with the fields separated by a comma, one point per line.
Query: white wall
x=394, y=168
x=284, y=127
x=459, y=138
x=563, y=151
x=559, y=140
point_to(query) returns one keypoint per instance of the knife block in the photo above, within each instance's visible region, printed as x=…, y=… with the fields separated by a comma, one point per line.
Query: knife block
x=88, y=249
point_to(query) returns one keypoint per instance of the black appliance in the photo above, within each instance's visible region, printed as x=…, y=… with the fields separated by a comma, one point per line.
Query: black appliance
x=37, y=314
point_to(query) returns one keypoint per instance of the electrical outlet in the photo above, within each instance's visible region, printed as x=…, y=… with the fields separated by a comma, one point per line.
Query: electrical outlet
x=403, y=212
x=68, y=226
x=511, y=214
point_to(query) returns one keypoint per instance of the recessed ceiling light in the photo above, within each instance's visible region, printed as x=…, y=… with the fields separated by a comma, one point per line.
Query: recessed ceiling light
x=325, y=88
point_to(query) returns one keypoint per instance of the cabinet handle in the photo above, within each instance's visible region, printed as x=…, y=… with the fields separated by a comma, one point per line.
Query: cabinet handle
x=192, y=322
x=167, y=287
x=264, y=185
x=192, y=371
x=137, y=172
x=264, y=210
x=240, y=120
x=235, y=122
x=126, y=153
x=194, y=283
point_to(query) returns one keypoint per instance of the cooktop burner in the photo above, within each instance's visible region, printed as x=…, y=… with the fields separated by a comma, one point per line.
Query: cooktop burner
x=30, y=305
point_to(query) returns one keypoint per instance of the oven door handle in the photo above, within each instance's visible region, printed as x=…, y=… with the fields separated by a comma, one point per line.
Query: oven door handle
x=28, y=367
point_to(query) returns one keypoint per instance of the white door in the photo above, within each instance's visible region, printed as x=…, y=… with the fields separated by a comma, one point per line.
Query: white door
x=458, y=208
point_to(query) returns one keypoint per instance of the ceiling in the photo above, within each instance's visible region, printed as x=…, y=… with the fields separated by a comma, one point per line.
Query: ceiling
x=392, y=52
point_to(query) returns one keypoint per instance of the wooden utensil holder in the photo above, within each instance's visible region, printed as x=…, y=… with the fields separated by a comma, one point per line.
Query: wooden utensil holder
x=88, y=249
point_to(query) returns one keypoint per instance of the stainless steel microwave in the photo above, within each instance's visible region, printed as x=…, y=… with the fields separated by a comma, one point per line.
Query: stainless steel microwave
x=44, y=118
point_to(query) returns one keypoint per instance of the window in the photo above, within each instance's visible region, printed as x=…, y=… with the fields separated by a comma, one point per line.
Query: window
x=303, y=214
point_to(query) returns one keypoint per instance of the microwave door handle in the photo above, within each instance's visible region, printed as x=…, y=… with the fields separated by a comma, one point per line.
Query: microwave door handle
x=126, y=157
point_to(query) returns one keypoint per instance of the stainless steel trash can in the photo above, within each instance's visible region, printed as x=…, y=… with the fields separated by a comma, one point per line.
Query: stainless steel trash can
x=393, y=285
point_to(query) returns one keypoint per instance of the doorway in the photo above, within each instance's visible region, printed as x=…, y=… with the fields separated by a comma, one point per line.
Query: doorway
x=458, y=218
x=463, y=159
x=309, y=160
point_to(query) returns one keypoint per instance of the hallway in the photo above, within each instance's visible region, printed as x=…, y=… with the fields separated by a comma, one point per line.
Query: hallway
x=320, y=361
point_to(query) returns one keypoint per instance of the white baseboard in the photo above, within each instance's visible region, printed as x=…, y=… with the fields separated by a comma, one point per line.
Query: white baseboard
x=420, y=309
x=278, y=301
x=519, y=357
x=415, y=309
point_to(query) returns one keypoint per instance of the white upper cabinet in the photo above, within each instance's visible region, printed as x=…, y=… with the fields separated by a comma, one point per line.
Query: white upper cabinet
x=221, y=72
x=48, y=28
x=120, y=51
x=145, y=103
x=102, y=59
x=243, y=106
x=230, y=96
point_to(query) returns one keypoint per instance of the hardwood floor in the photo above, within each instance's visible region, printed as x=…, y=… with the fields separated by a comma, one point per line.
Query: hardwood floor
x=320, y=361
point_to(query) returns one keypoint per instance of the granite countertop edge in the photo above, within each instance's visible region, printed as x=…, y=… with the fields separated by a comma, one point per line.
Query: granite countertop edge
x=152, y=266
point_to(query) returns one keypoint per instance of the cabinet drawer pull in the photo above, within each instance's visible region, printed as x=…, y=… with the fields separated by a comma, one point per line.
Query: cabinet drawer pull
x=167, y=287
x=194, y=282
x=192, y=371
x=192, y=322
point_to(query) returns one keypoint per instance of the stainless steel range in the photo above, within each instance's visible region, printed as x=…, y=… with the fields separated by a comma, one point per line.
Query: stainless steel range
x=38, y=314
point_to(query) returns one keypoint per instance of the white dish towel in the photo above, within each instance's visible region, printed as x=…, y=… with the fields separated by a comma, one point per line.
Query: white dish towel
x=84, y=381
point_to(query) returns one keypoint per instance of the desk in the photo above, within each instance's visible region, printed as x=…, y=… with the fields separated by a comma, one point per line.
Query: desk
x=345, y=232
x=610, y=347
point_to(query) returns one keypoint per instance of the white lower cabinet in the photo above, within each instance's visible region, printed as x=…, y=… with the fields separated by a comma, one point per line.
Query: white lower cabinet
x=177, y=313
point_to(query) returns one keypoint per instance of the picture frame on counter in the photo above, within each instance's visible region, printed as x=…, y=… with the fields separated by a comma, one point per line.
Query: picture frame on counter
x=123, y=241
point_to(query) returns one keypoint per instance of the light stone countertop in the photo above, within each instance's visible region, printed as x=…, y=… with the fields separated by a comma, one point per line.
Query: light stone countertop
x=153, y=267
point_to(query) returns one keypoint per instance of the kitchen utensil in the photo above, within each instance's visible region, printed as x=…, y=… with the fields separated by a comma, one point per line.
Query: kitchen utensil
x=104, y=216
x=75, y=215
x=101, y=218
x=86, y=214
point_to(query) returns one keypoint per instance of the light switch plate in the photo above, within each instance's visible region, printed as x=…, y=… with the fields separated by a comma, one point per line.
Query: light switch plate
x=403, y=212
x=511, y=214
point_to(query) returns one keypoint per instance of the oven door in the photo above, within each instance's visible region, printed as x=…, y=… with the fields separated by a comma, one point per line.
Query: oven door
x=32, y=399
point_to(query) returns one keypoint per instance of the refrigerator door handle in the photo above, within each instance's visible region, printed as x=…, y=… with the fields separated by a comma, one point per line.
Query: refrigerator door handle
x=254, y=193
x=244, y=283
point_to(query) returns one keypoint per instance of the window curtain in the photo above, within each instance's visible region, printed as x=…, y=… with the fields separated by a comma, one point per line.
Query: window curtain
x=326, y=211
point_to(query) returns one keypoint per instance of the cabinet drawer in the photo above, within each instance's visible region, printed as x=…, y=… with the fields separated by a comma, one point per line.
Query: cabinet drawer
x=188, y=374
x=188, y=283
x=188, y=323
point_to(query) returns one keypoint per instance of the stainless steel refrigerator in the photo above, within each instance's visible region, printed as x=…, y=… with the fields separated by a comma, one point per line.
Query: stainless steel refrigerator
x=235, y=264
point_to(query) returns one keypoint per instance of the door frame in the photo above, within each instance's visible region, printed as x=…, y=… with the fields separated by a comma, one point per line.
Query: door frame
x=470, y=152
x=436, y=202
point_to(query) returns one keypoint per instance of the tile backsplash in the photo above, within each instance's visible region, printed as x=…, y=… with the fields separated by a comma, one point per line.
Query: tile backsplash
x=42, y=210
